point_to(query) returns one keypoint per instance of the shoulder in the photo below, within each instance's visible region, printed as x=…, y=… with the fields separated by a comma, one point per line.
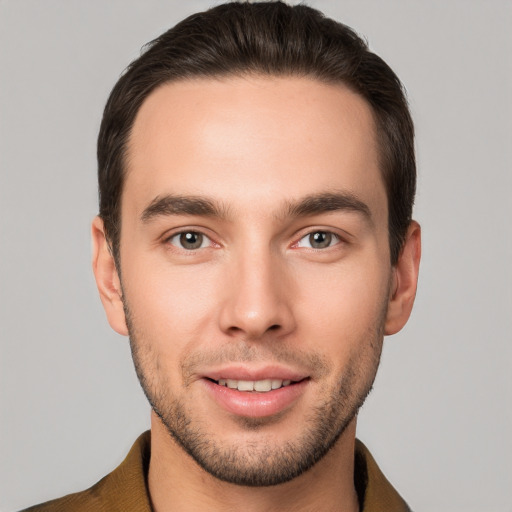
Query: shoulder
x=123, y=490
x=86, y=501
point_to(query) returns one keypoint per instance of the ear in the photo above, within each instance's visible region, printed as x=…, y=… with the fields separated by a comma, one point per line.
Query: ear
x=404, y=281
x=107, y=278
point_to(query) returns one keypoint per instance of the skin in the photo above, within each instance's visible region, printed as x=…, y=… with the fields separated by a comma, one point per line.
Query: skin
x=255, y=294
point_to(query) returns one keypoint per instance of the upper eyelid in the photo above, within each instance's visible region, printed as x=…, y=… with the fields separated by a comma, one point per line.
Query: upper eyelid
x=309, y=233
x=178, y=231
x=341, y=234
x=173, y=235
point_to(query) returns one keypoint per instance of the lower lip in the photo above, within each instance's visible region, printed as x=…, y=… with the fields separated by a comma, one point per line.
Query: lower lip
x=253, y=404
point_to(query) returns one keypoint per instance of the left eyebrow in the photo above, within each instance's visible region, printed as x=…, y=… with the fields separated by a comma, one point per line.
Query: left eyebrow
x=182, y=205
x=326, y=202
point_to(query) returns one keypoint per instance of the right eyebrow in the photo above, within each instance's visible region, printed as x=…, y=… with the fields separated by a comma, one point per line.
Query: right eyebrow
x=326, y=202
x=182, y=205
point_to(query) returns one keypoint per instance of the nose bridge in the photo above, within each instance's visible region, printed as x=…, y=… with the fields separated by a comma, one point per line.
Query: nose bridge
x=257, y=299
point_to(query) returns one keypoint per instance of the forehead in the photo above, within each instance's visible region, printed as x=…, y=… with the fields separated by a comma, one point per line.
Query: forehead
x=252, y=140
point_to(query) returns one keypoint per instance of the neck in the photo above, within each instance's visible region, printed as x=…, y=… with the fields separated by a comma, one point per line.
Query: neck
x=177, y=483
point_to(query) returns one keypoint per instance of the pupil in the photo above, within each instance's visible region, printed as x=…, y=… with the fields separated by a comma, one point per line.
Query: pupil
x=191, y=240
x=320, y=239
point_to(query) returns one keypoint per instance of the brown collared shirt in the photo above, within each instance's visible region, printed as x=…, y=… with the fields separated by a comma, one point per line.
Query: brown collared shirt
x=126, y=490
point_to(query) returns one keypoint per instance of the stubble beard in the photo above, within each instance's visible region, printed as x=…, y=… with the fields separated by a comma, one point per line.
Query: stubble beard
x=256, y=463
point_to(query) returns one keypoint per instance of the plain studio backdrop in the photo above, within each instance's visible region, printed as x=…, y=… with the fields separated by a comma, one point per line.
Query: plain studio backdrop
x=439, y=419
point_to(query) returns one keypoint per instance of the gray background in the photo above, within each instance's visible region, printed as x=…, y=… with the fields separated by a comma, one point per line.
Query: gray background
x=439, y=420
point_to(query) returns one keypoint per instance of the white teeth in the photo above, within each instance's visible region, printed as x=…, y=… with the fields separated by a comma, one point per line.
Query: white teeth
x=245, y=385
x=262, y=386
x=233, y=384
x=276, y=384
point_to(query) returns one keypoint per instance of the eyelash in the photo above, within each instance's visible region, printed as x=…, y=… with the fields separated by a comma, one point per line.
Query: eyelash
x=331, y=237
x=184, y=233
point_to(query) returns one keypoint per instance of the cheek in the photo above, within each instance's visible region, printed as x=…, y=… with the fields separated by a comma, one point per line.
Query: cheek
x=343, y=306
x=171, y=307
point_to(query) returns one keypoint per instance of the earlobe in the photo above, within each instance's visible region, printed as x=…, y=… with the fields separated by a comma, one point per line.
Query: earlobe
x=107, y=278
x=404, y=281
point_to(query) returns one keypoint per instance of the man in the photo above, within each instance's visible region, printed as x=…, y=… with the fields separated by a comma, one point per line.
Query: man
x=255, y=241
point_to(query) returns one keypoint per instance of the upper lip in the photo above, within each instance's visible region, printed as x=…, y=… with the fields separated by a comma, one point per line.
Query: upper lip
x=241, y=372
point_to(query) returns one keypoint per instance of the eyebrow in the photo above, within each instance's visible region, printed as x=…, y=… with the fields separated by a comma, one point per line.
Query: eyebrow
x=182, y=205
x=326, y=202
x=314, y=204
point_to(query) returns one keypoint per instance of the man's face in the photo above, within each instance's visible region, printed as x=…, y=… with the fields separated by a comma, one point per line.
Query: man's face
x=255, y=255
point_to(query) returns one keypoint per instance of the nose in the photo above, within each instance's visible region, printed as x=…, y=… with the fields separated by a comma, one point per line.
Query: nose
x=257, y=298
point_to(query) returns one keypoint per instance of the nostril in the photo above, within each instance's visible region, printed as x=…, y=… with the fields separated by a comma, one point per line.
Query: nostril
x=274, y=327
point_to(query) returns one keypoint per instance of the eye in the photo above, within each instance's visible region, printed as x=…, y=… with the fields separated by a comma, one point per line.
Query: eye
x=318, y=240
x=189, y=240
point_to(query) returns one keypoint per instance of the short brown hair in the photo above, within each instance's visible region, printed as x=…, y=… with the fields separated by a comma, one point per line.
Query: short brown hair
x=270, y=38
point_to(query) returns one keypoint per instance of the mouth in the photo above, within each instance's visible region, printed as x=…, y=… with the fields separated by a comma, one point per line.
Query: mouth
x=258, y=398
x=260, y=386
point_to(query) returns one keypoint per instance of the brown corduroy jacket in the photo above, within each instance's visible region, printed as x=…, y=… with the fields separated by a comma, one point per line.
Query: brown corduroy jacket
x=125, y=489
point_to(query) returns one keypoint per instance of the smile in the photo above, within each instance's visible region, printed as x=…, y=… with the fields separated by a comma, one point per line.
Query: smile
x=261, y=386
x=255, y=398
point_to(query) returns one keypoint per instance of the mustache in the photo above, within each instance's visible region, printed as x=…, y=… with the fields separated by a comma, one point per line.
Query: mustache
x=311, y=363
x=243, y=351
